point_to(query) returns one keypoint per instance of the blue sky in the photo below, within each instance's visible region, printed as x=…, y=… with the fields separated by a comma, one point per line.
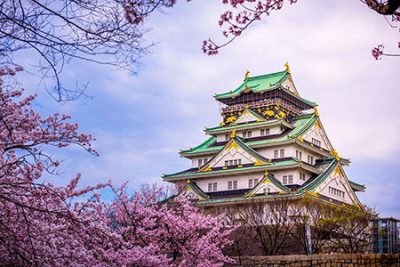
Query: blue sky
x=142, y=120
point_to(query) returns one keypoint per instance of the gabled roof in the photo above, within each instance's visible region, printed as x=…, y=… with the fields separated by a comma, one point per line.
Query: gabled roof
x=193, y=188
x=255, y=117
x=235, y=143
x=268, y=178
x=300, y=126
x=274, y=165
x=262, y=83
x=357, y=187
x=251, y=125
x=257, y=84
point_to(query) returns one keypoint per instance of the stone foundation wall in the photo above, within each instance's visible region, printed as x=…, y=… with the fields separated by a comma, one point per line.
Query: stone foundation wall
x=321, y=260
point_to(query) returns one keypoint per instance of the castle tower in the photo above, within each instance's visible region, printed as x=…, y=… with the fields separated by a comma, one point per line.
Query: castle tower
x=270, y=143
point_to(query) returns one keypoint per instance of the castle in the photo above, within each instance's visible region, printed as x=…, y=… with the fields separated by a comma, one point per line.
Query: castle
x=271, y=143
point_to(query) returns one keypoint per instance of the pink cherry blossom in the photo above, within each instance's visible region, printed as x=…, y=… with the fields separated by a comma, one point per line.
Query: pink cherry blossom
x=46, y=225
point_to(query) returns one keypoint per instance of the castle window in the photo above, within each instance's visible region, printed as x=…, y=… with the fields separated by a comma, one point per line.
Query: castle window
x=316, y=142
x=310, y=159
x=247, y=134
x=284, y=181
x=282, y=153
x=264, y=132
x=233, y=162
x=290, y=179
x=232, y=185
x=302, y=176
x=299, y=154
x=200, y=162
x=269, y=190
x=336, y=192
x=210, y=187
x=227, y=137
x=276, y=154
x=215, y=187
x=253, y=182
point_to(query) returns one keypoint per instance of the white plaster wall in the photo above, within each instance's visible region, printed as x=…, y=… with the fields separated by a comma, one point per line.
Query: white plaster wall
x=233, y=154
x=221, y=137
x=268, y=152
x=317, y=133
x=243, y=181
x=254, y=133
x=263, y=188
x=246, y=117
x=289, y=85
x=279, y=175
x=195, y=161
x=339, y=182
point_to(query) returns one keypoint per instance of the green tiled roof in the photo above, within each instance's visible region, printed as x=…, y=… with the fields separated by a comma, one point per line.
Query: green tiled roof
x=309, y=186
x=192, y=173
x=359, y=187
x=262, y=83
x=300, y=127
x=247, y=125
x=257, y=84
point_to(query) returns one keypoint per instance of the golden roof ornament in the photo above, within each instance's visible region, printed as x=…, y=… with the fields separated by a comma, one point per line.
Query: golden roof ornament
x=316, y=111
x=287, y=68
x=246, y=74
x=335, y=154
x=233, y=134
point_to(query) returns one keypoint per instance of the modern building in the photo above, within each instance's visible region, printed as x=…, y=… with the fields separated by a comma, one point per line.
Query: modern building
x=270, y=143
x=385, y=235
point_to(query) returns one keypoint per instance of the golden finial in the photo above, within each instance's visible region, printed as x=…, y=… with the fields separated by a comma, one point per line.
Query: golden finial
x=188, y=181
x=233, y=134
x=316, y=111
x=287, y=67
x=335, y=154
x=246, y=74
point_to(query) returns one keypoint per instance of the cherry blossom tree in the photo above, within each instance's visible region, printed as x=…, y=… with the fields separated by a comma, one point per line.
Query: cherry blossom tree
x=46, y=225
x=241, y=14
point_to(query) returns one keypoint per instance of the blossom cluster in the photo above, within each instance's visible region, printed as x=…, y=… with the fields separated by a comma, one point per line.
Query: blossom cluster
x=46, y=225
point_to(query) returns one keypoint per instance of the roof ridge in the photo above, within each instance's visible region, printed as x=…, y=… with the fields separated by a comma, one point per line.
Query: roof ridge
x=266, y=75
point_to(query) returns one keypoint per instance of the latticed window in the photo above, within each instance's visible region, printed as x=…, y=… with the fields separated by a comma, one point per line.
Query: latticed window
x=276, y=154
x=214, y=186
x=282, y=153
x=290, y=179
x=299, y=154
x=284, y=179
